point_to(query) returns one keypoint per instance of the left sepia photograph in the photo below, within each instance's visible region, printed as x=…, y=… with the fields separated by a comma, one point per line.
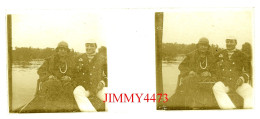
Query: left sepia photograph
x=56, y=63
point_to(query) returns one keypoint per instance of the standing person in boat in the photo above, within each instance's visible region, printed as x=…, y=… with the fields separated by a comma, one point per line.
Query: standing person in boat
x=197, y=68
x=57, y=83
x=233, y=75
x=91, y=80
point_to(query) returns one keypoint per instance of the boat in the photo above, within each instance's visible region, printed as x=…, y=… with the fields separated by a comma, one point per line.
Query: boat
x=52, y=104
x=201, y=99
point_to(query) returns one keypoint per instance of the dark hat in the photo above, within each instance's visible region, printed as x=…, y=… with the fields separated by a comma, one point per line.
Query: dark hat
x=203, y=40
x=63, y=44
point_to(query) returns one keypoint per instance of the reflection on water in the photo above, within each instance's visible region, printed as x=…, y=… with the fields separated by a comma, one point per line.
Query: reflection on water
x=24, y=81
x=170, y=74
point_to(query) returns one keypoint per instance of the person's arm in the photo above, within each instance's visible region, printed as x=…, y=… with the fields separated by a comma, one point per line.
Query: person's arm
x=78, y=70
x=43, y=71
x=218, y=66
x=184, y=67
x=213, y=67
x=105, y=72
x=103, y=82
x=74, y=67
x=244, y=76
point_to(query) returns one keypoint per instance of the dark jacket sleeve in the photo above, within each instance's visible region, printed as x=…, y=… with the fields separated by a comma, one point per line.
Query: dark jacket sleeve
x=78, y=69
x=213, y=67
x=73, y=67
x=218, y=72
x=105, y=71
x=184, y=66
x=246, y=66
x=43, y=71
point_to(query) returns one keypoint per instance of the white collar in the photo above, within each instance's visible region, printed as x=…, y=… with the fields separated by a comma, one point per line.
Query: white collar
x=232, y=50
x=93, y=54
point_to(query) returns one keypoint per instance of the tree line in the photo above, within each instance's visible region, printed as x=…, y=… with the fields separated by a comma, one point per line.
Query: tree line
x=169, y=51
x=28, y=53
x=172, y=50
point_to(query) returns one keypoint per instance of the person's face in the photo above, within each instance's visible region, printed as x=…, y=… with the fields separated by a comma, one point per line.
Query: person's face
x=62, y=52
x=231, y=44
x=90, y=48
x=203, y=47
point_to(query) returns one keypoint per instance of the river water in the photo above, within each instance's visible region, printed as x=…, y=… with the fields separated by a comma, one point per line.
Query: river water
x=170, y=74
x=24, y=81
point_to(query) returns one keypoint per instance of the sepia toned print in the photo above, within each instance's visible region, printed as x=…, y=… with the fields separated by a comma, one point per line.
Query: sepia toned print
x=47, y=73
x=205, y=61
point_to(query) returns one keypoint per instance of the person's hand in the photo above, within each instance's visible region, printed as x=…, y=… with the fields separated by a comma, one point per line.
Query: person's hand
x=205, y=74
x=101, y=85
x=51, y=77
x=87, y=93
x=240, y=81
x=65, y=78
x=192, y=73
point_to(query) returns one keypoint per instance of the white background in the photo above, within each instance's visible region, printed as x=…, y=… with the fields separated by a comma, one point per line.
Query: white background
x=131, y=55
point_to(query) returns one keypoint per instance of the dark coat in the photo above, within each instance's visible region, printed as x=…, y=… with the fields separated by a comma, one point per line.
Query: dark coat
x=56, y=95
x=91, y=73
x=51, y=66
x=230, y=69
x=192, y=62
x=195, y=91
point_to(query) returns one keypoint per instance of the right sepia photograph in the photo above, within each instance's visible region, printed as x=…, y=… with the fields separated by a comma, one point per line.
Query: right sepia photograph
x=204, y=58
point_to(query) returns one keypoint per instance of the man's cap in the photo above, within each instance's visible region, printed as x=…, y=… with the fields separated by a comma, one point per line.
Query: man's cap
x=203, y=40
x=231, y=37
x=92, y=41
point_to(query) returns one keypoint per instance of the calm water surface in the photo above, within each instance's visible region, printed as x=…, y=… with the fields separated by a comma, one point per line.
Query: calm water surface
x=24, y=83
x=170, y=74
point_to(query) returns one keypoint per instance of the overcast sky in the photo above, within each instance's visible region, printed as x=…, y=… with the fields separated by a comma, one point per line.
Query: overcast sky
x=188, y=26
x=114, y=29
x=47, y=30
x=180, y=25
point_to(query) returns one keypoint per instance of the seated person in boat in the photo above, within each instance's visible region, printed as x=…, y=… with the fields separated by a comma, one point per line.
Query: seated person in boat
x=56, y=83
x=197, y=74
x=91, y=79
x=233, y=75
